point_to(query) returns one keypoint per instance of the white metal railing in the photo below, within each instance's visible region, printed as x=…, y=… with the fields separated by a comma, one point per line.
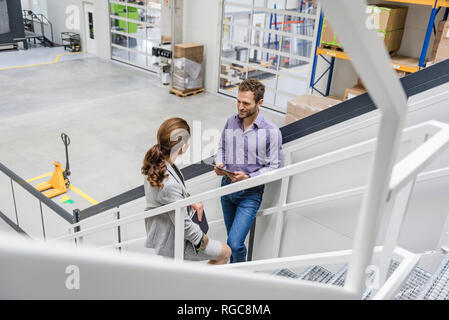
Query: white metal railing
x=389, y=185
x=405, y=171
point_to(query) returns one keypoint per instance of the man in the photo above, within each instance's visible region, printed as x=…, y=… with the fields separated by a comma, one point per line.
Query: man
x=250, y=145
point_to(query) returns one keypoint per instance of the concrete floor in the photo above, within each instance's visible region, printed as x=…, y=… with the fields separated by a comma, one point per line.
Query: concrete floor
x=110, y=111
x=36, y=56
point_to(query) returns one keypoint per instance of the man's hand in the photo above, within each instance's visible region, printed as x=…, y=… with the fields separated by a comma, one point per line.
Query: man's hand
x=238, y=176
x=219, y=172
x=199, y=209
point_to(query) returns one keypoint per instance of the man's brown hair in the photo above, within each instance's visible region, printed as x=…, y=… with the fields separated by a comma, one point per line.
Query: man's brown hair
x=255, y=86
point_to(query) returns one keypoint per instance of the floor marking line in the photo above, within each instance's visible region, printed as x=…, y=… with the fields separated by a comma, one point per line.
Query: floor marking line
x=82, y=194
x=40, y=177
x=41, y=64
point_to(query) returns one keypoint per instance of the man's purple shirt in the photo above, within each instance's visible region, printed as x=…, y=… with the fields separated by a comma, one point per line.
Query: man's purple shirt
x=255, y=151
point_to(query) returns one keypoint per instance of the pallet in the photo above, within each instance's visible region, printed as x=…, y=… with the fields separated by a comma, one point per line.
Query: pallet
x=184, y=94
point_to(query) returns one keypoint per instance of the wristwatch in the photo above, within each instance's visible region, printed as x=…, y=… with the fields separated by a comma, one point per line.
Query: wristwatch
x=201, y=243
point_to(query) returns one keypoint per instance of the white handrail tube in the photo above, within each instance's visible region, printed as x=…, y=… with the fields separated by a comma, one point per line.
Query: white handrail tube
x=372, y=63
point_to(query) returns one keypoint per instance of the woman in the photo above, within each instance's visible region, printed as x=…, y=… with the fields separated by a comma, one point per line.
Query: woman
x=164, y=184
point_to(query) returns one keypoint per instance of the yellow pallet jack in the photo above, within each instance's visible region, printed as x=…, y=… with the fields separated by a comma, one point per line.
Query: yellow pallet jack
x=59, y=181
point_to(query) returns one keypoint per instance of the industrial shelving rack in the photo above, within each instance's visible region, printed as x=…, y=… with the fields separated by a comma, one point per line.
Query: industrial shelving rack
x=334, y=54
x=71, y=41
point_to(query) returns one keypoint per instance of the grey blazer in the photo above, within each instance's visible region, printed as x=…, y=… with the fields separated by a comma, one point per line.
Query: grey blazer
x=161, y=228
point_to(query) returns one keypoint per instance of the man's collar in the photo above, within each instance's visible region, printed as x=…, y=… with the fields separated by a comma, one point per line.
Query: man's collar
x=259, y=119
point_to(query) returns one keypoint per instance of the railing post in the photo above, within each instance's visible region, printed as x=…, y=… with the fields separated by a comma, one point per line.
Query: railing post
x=397, y=208
x=42, y=220
x=277, y=238
x=395, y=212
x=42, y=28
x=179, y=235
x=15, y=206
x=76, y=216
x=119, y=234
x=252, y=233
x=443, y=244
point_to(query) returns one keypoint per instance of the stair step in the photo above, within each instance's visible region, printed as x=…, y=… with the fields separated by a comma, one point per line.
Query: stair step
x=414, y=284
x=437, y=287
x=317, y=274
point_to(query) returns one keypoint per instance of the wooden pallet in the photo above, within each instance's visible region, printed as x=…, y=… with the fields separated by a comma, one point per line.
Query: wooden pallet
x=184, y=94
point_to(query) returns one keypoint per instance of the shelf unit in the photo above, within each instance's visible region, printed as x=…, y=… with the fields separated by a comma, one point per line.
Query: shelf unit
x=334, y=54
x=71, y=40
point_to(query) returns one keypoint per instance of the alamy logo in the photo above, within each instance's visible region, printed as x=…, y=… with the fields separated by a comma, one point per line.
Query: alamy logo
x=72, y=22
x=372, y=281
x=72, y=282
x=263, y=142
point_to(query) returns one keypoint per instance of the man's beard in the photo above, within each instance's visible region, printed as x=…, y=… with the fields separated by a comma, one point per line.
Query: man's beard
x=248, y=114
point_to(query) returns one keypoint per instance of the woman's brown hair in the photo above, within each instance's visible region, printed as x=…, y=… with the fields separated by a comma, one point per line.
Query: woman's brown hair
x=172, y=135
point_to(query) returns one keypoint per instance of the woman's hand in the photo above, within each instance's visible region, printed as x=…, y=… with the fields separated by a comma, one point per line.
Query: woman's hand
x=206, y=241
x=199, y=209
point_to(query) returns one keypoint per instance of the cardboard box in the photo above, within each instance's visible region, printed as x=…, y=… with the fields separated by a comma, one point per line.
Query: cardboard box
x=436, y=60
x=191, y=51
x=328, y=37
x=290, y=118
x=306, y=105
x=442, y=51
x=442, y=35
x=398, y=61
x=386, y=18
x=187, y=74
x=354, y=92
x=392, y=39
x=401, y=74
x=335, y=98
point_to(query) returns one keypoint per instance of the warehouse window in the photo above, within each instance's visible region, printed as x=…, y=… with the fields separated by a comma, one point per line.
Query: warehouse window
x=270, y=40
x=135, y=29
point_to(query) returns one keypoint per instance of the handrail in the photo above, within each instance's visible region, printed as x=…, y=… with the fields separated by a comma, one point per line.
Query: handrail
x=370, y=59
x=275, y=175
x=41, y=19
x=417, y=160
x=28, y=187
x=413, y=84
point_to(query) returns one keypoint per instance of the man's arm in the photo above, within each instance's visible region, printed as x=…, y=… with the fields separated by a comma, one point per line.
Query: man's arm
x=274, y=160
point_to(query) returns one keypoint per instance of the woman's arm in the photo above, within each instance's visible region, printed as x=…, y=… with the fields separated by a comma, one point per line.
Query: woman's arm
x=171, y=193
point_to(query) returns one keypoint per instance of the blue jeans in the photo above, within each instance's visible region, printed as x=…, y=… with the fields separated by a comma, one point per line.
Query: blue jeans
x=239, y=212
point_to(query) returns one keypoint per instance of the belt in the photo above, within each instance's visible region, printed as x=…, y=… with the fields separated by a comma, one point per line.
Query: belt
x=228, y=180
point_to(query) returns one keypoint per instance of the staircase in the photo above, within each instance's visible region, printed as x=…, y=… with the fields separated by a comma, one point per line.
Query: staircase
x=437, y=287
x=420, y=284
x=36, y=28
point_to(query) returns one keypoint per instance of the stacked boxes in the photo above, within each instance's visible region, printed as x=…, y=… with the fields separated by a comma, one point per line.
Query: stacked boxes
x=188, y=67
x=354, y=92
x=306, y=105
x=404, y=61
x=227, y=70
x=440, y=49
x=389, y=21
